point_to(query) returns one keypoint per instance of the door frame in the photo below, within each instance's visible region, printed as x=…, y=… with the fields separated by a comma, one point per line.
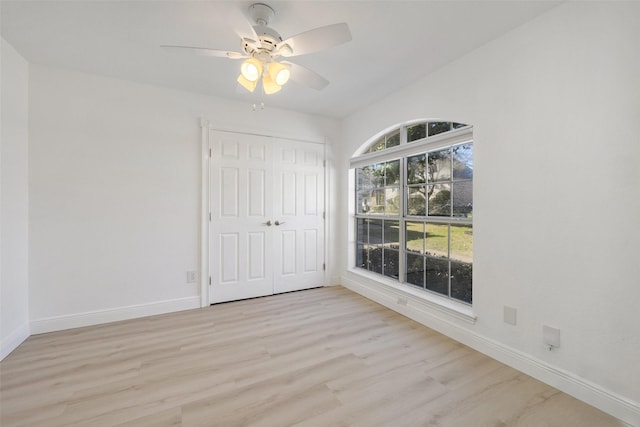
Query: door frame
x=206, y=127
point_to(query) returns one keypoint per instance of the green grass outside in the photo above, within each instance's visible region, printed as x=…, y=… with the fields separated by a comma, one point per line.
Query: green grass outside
x=437, y=240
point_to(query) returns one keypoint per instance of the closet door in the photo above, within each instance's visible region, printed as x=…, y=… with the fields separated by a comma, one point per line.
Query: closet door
x=241, y=239
x=267, y=227
x=298, y=205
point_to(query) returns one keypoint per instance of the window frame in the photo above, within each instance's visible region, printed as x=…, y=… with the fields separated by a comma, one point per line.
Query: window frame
x=457, y=136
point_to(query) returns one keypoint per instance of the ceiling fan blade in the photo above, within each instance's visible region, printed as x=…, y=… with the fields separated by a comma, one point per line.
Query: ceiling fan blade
x=204, y=51
x=241, y=25
x=305, y=76
x=316, y=39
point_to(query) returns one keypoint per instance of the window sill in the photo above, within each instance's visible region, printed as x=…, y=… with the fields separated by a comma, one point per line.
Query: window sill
x=428, y=300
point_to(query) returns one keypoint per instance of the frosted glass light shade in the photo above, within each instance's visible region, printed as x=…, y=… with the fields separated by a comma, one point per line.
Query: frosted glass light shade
x=248, y=85
x=279, y=73
x=269, y=85
x=251, y=69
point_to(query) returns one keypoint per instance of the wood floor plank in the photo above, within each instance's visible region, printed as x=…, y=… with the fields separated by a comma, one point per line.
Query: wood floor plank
x=322, y=357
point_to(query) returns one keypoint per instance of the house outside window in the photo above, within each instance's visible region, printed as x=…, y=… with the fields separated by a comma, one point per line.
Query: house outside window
x=413, y=208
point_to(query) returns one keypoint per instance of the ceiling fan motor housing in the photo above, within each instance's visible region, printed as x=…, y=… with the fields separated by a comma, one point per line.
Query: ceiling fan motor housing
x=268, y=38
x=267, y=35
x=261, y=13
x=268, y=42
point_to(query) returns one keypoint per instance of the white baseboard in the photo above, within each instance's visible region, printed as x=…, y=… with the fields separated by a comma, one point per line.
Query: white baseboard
x=59, y=323
x=580, y=388
x=14, y=339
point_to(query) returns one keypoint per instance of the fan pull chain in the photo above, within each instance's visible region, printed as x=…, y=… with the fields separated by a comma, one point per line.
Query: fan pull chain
x=255, y=106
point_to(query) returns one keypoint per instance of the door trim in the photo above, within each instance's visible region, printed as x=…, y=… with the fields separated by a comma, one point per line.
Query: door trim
x=206, y=127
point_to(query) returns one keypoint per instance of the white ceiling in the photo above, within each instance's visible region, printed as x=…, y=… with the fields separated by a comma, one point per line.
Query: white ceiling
x=394, y=42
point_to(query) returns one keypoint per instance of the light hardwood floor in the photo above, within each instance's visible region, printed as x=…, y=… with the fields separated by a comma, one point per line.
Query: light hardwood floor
x=322, y=357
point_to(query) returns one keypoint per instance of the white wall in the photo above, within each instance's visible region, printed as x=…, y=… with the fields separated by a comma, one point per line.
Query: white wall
x=114, y=181
x=14, y=200
x=555, y=106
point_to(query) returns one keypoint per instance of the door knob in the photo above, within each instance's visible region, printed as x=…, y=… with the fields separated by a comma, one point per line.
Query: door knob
x=279, y=223
x=268, y=223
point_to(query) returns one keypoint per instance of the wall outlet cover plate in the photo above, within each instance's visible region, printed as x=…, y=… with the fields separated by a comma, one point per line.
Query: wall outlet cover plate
x=551, y=336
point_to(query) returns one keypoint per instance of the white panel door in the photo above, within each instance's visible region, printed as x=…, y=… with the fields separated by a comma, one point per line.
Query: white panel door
x=241, y=242
x=267, y=226
x=298, y=205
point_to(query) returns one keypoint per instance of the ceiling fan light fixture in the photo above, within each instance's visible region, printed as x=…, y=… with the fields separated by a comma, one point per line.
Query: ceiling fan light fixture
x=247, y=84
x=279, y=73
x=261, y=45
x=269, y=86
x=251, y=69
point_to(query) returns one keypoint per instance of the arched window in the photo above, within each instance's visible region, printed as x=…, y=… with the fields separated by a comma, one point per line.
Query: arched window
x=413, y=213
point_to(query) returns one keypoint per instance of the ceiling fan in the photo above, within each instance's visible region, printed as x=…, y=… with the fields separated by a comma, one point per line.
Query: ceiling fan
x=263, y=47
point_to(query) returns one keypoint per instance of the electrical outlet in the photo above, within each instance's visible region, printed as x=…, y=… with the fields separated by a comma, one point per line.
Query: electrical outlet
x=551, y=337
x=402, y=301
x=191, y=277
x=509, y=315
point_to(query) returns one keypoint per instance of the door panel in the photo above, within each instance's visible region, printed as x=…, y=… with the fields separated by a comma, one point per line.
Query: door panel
x=298, y=209
x=228, y=183
x=310, y=194
x=287, y=184
x=256, y=193
x=258, y=181
x=257, y=256
x=229, y=149
x=288, y=252
x=229, y=254
x=310, y=251
x=240, y=240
